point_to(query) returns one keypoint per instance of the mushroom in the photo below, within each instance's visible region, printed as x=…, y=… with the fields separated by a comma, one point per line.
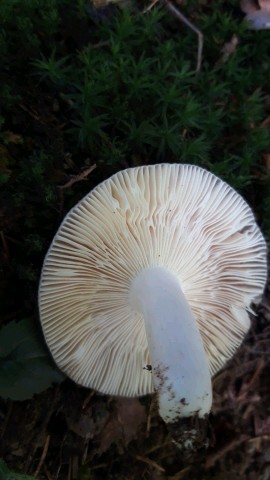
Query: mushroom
x=148, y=283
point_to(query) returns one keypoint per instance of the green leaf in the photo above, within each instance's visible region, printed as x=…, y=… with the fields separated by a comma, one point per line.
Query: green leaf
x=6, y=474
x=25, y=365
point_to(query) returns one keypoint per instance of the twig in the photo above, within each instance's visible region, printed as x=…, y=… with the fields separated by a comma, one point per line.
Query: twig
x=190, y=25
x=69, y=469
x=266, y=121
x=87, y=399
x=32, y=113
x=100, y=465
x=264, y=437
x=74, y=179
x=247, y=386
x=43, y=455
x=159, y=446
x=150, y=462
x=152, y=4
x=149, y=416
x=47, y=472
x=212, y=459
x=79, y=177
x=228, y=50
x=181, y=474
x=74, y=467
x=37, y=436
x=105, y=43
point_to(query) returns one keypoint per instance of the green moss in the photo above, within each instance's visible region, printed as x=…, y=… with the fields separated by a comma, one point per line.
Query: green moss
x=134, y=87
x=118, y=88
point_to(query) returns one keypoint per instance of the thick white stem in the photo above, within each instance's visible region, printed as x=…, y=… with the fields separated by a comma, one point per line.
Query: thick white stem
x=180, y=367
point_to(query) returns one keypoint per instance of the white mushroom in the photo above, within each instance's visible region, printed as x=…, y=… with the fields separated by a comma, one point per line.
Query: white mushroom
x=158, y=265
x=180, y=366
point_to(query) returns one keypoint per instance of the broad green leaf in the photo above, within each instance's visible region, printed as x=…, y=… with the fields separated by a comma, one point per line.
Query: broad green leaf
x=7, y=474
x=25, y=364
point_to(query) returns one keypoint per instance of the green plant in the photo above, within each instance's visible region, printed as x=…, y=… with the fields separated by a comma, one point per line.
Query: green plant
x=25, y=367
x=135, y=89
x=52, y=69
x=7, y=474
x=28, y=26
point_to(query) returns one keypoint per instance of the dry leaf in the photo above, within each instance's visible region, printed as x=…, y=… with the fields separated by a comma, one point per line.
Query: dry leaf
x=229, y=48
x=84, y=426
x=262, y=426
x=11, y=137
x=87, y=424
x=124, y=423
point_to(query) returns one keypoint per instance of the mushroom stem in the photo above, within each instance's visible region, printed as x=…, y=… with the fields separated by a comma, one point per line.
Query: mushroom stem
x=180, y=367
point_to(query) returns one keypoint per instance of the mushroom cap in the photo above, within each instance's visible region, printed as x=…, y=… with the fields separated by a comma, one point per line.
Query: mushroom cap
x=177, y=216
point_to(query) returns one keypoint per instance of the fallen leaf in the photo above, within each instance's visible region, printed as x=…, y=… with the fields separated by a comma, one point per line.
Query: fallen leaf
x=131, y=414
x=262, y=426
x=229, y=48
x=125, y=421
x=84, y=426
x=10, y=137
